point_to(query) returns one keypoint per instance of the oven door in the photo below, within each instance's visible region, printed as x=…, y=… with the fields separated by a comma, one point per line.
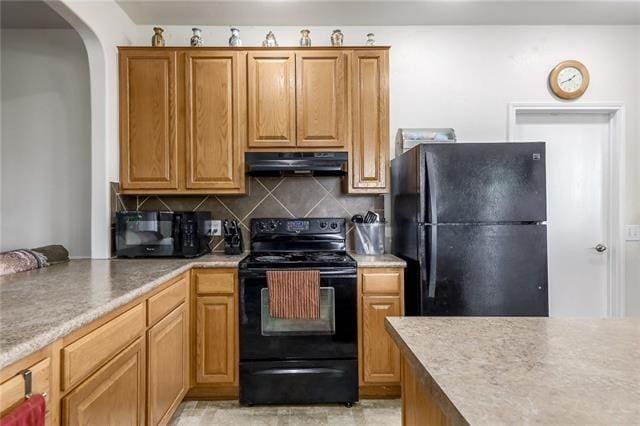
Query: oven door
x=333, y=336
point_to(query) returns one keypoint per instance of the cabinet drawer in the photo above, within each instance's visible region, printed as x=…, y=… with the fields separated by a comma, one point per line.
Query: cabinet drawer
x=86, y=354
x=215, y=281
x=381, y=281
x=164, y=302
x=12, y=391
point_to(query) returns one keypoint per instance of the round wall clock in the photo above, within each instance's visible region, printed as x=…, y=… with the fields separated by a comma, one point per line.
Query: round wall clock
x=569, y=79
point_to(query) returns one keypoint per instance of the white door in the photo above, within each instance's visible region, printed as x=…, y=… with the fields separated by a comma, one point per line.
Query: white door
x=576, y=201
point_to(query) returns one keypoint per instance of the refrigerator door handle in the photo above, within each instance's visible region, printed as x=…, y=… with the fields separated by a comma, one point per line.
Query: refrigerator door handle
x=431, y=190
x=433, y=262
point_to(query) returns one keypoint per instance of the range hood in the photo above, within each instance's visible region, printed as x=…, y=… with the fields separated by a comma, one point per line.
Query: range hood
x=296, y=163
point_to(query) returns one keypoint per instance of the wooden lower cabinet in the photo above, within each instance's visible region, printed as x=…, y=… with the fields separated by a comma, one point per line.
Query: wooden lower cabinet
x=114, y=395
x=380, y=294
x=168, y=365
x=417, y=407
x=215, y=334
x=215, y=340
x=381, y=356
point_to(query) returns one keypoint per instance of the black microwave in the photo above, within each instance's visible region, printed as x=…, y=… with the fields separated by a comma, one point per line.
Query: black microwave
x=162, y=234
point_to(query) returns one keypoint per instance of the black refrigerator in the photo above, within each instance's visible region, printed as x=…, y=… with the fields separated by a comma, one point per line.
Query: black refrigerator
x=469, y=219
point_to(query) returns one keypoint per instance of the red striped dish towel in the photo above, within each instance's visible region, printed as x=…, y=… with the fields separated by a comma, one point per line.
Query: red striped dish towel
x=294, y=294
x=31, y=412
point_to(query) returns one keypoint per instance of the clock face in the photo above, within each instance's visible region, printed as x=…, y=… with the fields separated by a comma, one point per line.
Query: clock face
x=570, y=79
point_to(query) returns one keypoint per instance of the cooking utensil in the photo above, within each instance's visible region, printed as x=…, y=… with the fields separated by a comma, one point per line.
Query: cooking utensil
x=371, y=217
x=357, y=218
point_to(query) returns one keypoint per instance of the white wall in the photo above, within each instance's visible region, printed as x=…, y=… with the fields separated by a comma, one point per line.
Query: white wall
x=46, y=141
x=103, y=26
x=465, y=76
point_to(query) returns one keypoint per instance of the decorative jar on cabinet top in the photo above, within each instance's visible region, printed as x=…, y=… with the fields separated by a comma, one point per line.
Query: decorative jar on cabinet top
x=371, y=41
x=270, y=40
x=305, y=40
x=196, y=38
x=234, y=40
x=157, y=40
x=336, y=38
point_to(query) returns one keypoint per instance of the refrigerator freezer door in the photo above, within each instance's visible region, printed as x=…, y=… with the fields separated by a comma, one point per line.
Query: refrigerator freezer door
x=485, y=270
x=485, y=182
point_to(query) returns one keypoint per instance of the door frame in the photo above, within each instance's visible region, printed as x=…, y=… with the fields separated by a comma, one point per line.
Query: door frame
x=614, y=182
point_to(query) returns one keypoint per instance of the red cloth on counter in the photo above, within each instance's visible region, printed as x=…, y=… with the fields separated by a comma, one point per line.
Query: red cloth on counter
x=30, y=412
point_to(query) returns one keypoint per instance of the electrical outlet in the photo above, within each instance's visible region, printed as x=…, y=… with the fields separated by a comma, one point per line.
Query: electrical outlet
x=632, y=232
x=213, y=228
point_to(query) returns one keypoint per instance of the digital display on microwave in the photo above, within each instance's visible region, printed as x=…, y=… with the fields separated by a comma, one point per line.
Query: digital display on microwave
x=298, y=225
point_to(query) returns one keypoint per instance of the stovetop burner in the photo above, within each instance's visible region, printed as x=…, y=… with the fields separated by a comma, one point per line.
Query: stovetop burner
x=269, y=258
x=298, y=259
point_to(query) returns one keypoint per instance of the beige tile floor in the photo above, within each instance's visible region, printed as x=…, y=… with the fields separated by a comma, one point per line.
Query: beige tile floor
x=367, y=412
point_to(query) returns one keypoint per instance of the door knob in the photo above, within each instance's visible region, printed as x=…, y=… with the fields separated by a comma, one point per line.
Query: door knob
x=600, y=248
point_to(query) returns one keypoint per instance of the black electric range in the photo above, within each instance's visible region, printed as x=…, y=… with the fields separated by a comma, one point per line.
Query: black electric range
x=299, y=361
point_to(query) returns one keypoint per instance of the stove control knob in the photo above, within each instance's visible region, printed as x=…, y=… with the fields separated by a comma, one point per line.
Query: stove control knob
x=334, y=225
x=323, y=225
x=273, y=225
x=261, y=226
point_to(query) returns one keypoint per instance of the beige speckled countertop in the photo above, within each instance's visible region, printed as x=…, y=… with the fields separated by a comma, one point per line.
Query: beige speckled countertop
x=381, y=261
x=555, y=371
x=40, y=306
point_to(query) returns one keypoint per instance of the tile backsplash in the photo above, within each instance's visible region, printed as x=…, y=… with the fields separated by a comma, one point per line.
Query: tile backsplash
x=266, y=197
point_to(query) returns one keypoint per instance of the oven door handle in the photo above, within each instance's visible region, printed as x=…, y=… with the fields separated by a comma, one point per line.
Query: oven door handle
x=317, y=370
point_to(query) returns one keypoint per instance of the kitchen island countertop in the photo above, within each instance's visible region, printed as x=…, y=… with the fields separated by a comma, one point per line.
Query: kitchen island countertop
x=490, y=371
x=40, y=306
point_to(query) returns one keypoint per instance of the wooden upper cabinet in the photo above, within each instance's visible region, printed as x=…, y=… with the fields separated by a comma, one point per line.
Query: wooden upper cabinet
x=148, y=120
x=271, y=99
x=370, y=146
x=214, y=112
x=322, y=98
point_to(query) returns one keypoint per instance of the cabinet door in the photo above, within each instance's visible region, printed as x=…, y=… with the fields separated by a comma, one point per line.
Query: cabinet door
x=214, y=111
x=322, y=98
x=148, y=117
x=216, y=340
x=370, y=146
x=381, y=357
x=168, y=372
x=271, y=103
x=114, y=395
